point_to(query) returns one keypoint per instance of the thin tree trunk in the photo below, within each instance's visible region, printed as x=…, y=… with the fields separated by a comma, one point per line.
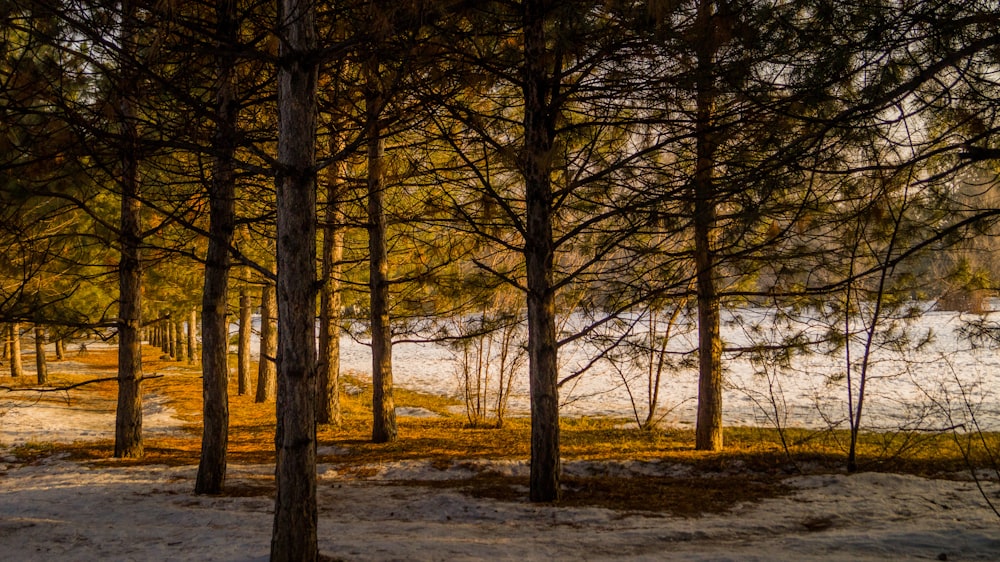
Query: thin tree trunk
x=383, y=406
x=192, y=335
x=168, y=327
x=294, y=535
x=178, y=328
x=41, y=367
x=708, y=431
x=539, y=256
x=128, y=417
x=164, y=337
x=243, y=347
x=16, y=368
x=328, y=383
x=222, y=226
x=60, y=349
x=267, y=369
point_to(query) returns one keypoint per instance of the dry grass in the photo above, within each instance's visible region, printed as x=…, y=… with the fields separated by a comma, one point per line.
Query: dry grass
x=750, y=468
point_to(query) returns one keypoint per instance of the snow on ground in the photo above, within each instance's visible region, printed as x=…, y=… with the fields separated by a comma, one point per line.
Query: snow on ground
x=931, y=388
x=55, y=509
x=77, y=415
x=59, y=510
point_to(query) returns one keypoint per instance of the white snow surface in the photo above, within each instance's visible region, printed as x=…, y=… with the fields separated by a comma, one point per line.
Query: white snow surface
x=57, y=509
x=943, y=384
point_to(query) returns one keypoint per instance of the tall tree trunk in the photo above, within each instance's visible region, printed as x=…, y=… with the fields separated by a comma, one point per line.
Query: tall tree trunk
x=328, y=383
x=383, y=406
x=16, y=368
x=60, y=349
x=161, y=326
x=267, y=367
x=708, y=431
x=178, y=328
x=243, y=347
x=41, y=367
x=295, y=511
x=128, y=417
x=543, y=372
x=222, y=225
x=192, y=335
x=168, y=327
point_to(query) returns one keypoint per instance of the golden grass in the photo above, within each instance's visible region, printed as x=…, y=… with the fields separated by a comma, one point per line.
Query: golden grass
x=749, y=469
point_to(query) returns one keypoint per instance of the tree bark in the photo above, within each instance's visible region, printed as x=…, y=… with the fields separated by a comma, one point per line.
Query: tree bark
x=16, y=368
x=536, y=157
x=267, y=369
x=294, y=535
x=128, y=417
x=243, y=348
x=708, y=431
x=222, y=226
x=178, y=328
x=164, y=337
x=328, y=383
x=41, y=367
x=192, y=335
x=383, y=406
x=168, y=328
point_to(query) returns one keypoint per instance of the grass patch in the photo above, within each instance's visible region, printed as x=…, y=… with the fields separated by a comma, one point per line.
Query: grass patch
x=31, y=452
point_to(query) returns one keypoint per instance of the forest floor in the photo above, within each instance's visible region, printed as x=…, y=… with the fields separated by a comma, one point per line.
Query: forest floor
x=445, y=490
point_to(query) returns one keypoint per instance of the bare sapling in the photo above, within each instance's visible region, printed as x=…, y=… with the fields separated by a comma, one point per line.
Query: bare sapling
x=490, y=353
x=640, y=357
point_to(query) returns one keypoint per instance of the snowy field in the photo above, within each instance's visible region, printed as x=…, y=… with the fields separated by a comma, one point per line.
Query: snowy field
x=55, y=509
x=943, y=384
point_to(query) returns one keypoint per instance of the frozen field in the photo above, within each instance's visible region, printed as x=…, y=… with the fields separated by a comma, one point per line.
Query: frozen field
x=935, y=387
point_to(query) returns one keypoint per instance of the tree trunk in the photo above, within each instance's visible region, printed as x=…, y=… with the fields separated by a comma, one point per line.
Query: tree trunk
x=328, y=383
x=192, y=335
x=222, y=226
x=267, y=369
x=168, y=327
x=16, y=368
x=128, y=417
x=295, y=511
x=708, y=431
x=383, y=406
x=41, y=367
x=243, y=348
x=215, y=354
x=164, y=337
x=543, y=373
x=178, y=328
x=60, y=349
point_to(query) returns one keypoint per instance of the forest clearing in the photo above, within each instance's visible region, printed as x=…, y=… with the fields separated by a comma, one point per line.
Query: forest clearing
x=446, y=491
